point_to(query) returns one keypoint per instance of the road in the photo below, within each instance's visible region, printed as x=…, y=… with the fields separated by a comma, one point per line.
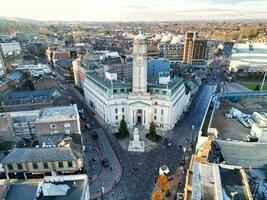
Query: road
x=101, y=179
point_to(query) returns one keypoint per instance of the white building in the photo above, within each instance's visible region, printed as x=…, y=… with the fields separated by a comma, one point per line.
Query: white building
x=249, y=57
x=138, y=102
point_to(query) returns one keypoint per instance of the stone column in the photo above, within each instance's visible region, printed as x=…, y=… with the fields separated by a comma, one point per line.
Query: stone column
x=24, y=174
x=133, y=118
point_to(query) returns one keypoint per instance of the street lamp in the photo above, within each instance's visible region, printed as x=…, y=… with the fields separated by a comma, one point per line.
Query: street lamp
x=263, y=80
x=193, y=128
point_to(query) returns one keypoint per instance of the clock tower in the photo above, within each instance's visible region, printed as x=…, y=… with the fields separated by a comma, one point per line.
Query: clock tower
x=140, y=64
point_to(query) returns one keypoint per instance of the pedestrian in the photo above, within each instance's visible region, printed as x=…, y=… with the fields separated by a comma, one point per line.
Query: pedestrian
x=110, y=168
x=180, y=146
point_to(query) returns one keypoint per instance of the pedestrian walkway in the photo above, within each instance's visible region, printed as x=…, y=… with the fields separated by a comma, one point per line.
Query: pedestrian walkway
x=109, y=176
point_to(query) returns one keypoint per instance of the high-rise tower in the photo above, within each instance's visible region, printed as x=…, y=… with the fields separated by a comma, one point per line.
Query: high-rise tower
x=140, y=64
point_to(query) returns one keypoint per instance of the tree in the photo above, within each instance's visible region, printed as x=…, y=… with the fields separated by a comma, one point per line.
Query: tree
x=157, y=196
x=257, y=87
x=123, y=130
x=152, y=130
x=163, y=182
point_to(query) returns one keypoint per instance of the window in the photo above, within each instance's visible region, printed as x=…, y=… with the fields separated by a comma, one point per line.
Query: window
x=10, y=167
x=122, y=90
x=155, y=111
x=45, y=165
x=60, y=164
x=156, y=103
x=116, y=110
x=155, y=117
x=53, y=126
x=19, y=166
x=116, y=117
x=122, y=110
x=70, y=164
x=123, y=117
x=66, y=125
x=162, y=111
x=34, y=166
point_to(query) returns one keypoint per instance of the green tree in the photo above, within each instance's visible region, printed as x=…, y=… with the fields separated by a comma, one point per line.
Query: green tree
x=152, y=130
x=123, y=130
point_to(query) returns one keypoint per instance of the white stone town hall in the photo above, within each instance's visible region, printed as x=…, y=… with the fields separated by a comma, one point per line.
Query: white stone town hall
x=138, y=102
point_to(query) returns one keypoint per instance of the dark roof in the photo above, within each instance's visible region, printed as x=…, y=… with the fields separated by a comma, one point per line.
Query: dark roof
x=65, y=63
x=22, y=155
x=15, y=75
x=31, y=93
x=17, y=191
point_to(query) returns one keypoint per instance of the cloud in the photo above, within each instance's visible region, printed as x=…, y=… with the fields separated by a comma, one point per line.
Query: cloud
x=230, y=2
x=206, y=10
x=138, y=7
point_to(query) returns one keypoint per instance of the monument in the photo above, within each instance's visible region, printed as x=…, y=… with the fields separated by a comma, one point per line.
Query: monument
x=136, y=145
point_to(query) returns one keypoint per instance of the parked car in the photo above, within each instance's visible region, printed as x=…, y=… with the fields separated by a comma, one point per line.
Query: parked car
x=105, y=163
x=87, y=126
x=94, y=135
x=82, y=116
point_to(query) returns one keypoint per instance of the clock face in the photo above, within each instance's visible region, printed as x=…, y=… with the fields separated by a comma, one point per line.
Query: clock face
x=139, y=63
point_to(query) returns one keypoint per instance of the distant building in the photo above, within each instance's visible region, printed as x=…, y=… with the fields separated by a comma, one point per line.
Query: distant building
x=35, y=123
x=156, y=67
x=26, y=37
x=84, y=64
x=249, y=58
x=54, y=53
x=35, y=70
x=4, y=86
x=194, y=49
x=49, y=188
x=16, y=78
x=33, y=100
x=44, y=82
x=172, y=52
x=65, y=69
x=10, y=55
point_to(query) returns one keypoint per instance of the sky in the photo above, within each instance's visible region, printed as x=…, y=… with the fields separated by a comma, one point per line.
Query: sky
x=134, y=10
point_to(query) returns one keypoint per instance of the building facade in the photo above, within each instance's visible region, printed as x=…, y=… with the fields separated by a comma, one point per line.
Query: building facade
x=194, y=49
x=138, y=101
x=35, y=123
x=172, y=52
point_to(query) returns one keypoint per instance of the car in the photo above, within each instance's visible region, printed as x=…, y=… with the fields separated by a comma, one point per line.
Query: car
x=105, y=163
x=82, y=116
x=87, y=126
x=94, y=135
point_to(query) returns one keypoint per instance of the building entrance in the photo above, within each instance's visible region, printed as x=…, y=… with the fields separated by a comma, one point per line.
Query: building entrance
x=139, y=117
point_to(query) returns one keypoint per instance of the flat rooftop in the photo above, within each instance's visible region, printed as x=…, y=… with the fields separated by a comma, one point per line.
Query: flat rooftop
x=246, y=102
x=28, y=189
x=212, y=180
x=61, y=113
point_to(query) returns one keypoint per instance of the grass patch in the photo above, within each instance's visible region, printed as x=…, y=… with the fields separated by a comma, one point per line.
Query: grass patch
x=252, y=86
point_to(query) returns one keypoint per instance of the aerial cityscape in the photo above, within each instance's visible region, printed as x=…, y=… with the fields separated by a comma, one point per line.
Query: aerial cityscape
x=133, y=100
